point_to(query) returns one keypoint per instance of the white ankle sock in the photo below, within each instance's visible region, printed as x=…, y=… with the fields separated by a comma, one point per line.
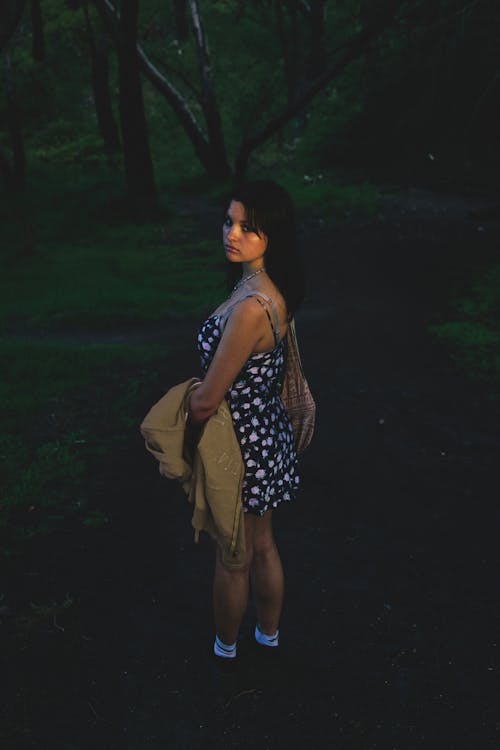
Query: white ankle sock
x=222, y=649
x=266, y=640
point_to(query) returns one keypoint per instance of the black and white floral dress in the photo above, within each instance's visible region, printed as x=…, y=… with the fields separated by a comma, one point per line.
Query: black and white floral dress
x=261, y=423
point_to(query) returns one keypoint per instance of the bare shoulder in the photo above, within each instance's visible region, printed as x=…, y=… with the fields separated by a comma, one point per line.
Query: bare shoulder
x=279, y=303
x=243, y=326
x=246, y=320
x=247, y=311
x=274, y=305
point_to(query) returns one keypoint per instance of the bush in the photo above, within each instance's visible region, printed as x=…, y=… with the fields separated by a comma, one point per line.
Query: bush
x=474, y=339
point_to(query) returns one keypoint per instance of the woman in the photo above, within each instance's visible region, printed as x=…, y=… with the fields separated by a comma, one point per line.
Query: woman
x=242, y=348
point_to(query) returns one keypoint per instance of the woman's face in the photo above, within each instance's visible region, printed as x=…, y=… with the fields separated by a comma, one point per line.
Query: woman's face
x=242, y=242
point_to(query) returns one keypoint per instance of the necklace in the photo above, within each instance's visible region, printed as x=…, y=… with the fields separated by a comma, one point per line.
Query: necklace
x=247, y=278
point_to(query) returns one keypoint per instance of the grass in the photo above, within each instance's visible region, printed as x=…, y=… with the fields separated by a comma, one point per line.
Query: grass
x=95, y=266
x=58, y=419
x=473, y=336
x=320, y=194
x=126, y=275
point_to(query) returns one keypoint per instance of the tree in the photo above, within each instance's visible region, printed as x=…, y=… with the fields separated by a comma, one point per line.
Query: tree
x=99, y=54
x=208, y=142
x=422, y=92
x=38, y=41
x=290, y=46
x=18, y=172
x=136, y=152
x=12, y=15
x=181, y=20
x=218, y=163
x=317, y=54
x=352, y=49
x=14, y=173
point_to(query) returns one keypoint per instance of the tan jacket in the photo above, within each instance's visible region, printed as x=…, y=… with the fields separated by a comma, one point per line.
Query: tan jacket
x=211, y=471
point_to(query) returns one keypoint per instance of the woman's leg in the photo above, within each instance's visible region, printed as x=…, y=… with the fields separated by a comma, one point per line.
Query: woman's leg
x=230, y=591
x=266, y=573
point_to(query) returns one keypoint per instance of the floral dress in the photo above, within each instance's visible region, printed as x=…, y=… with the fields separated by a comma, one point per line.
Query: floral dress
x=260, y=421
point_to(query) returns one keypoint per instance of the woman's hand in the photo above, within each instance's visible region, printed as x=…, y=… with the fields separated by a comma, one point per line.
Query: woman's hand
x=190, y=419
x=197, y=415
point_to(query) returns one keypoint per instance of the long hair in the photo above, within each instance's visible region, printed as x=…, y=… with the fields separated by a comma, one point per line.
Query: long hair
x=270, y=209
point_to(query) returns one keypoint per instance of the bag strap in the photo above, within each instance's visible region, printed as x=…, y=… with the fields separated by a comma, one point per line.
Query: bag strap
x=293, y=341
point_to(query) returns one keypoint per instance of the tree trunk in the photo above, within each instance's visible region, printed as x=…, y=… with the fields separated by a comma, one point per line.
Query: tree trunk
x=99, y=52
x=38, y=40
x=317, y=58
x=181, y=20
x=285, y=52
x=15, y=130
x=7, y=173
x=218, y=163
x=137, y=156
x=203, y=148
x=14, y=173
x=181, y=109
x=11, y=18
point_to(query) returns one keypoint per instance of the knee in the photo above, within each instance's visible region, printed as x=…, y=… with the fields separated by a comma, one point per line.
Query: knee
x=240, y=571
x=264, y=548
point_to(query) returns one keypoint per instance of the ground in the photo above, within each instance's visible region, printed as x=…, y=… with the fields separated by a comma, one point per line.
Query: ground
x=390, y=551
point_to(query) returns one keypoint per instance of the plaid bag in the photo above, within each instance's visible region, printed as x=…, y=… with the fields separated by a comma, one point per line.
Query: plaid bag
x=296, y=394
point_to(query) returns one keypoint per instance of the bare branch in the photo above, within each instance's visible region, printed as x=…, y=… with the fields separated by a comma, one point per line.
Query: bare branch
x=203, y=53
x=182, y=77
x=208, y=97
x=161, y=83
x=179, y=104
x=209, y=147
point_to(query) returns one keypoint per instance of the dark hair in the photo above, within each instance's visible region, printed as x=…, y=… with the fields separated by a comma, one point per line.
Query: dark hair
x=269, y=208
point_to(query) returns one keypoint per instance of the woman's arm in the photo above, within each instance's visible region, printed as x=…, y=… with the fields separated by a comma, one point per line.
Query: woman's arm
x=243, y=330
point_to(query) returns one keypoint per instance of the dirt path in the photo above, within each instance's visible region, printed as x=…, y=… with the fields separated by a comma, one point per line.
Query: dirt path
x=390, y=553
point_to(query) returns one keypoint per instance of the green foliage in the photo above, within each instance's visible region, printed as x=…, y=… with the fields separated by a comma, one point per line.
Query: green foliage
x=320, y=194
x=386, y=85
x=57, y=421
x=474, y=340
x=45, y=480
x=58, y=111
x=37, y=375
x=87, y=148
x=110, y=282
x=61, y=143
x=94, y=267
x=484, y=300
x=61, y=85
